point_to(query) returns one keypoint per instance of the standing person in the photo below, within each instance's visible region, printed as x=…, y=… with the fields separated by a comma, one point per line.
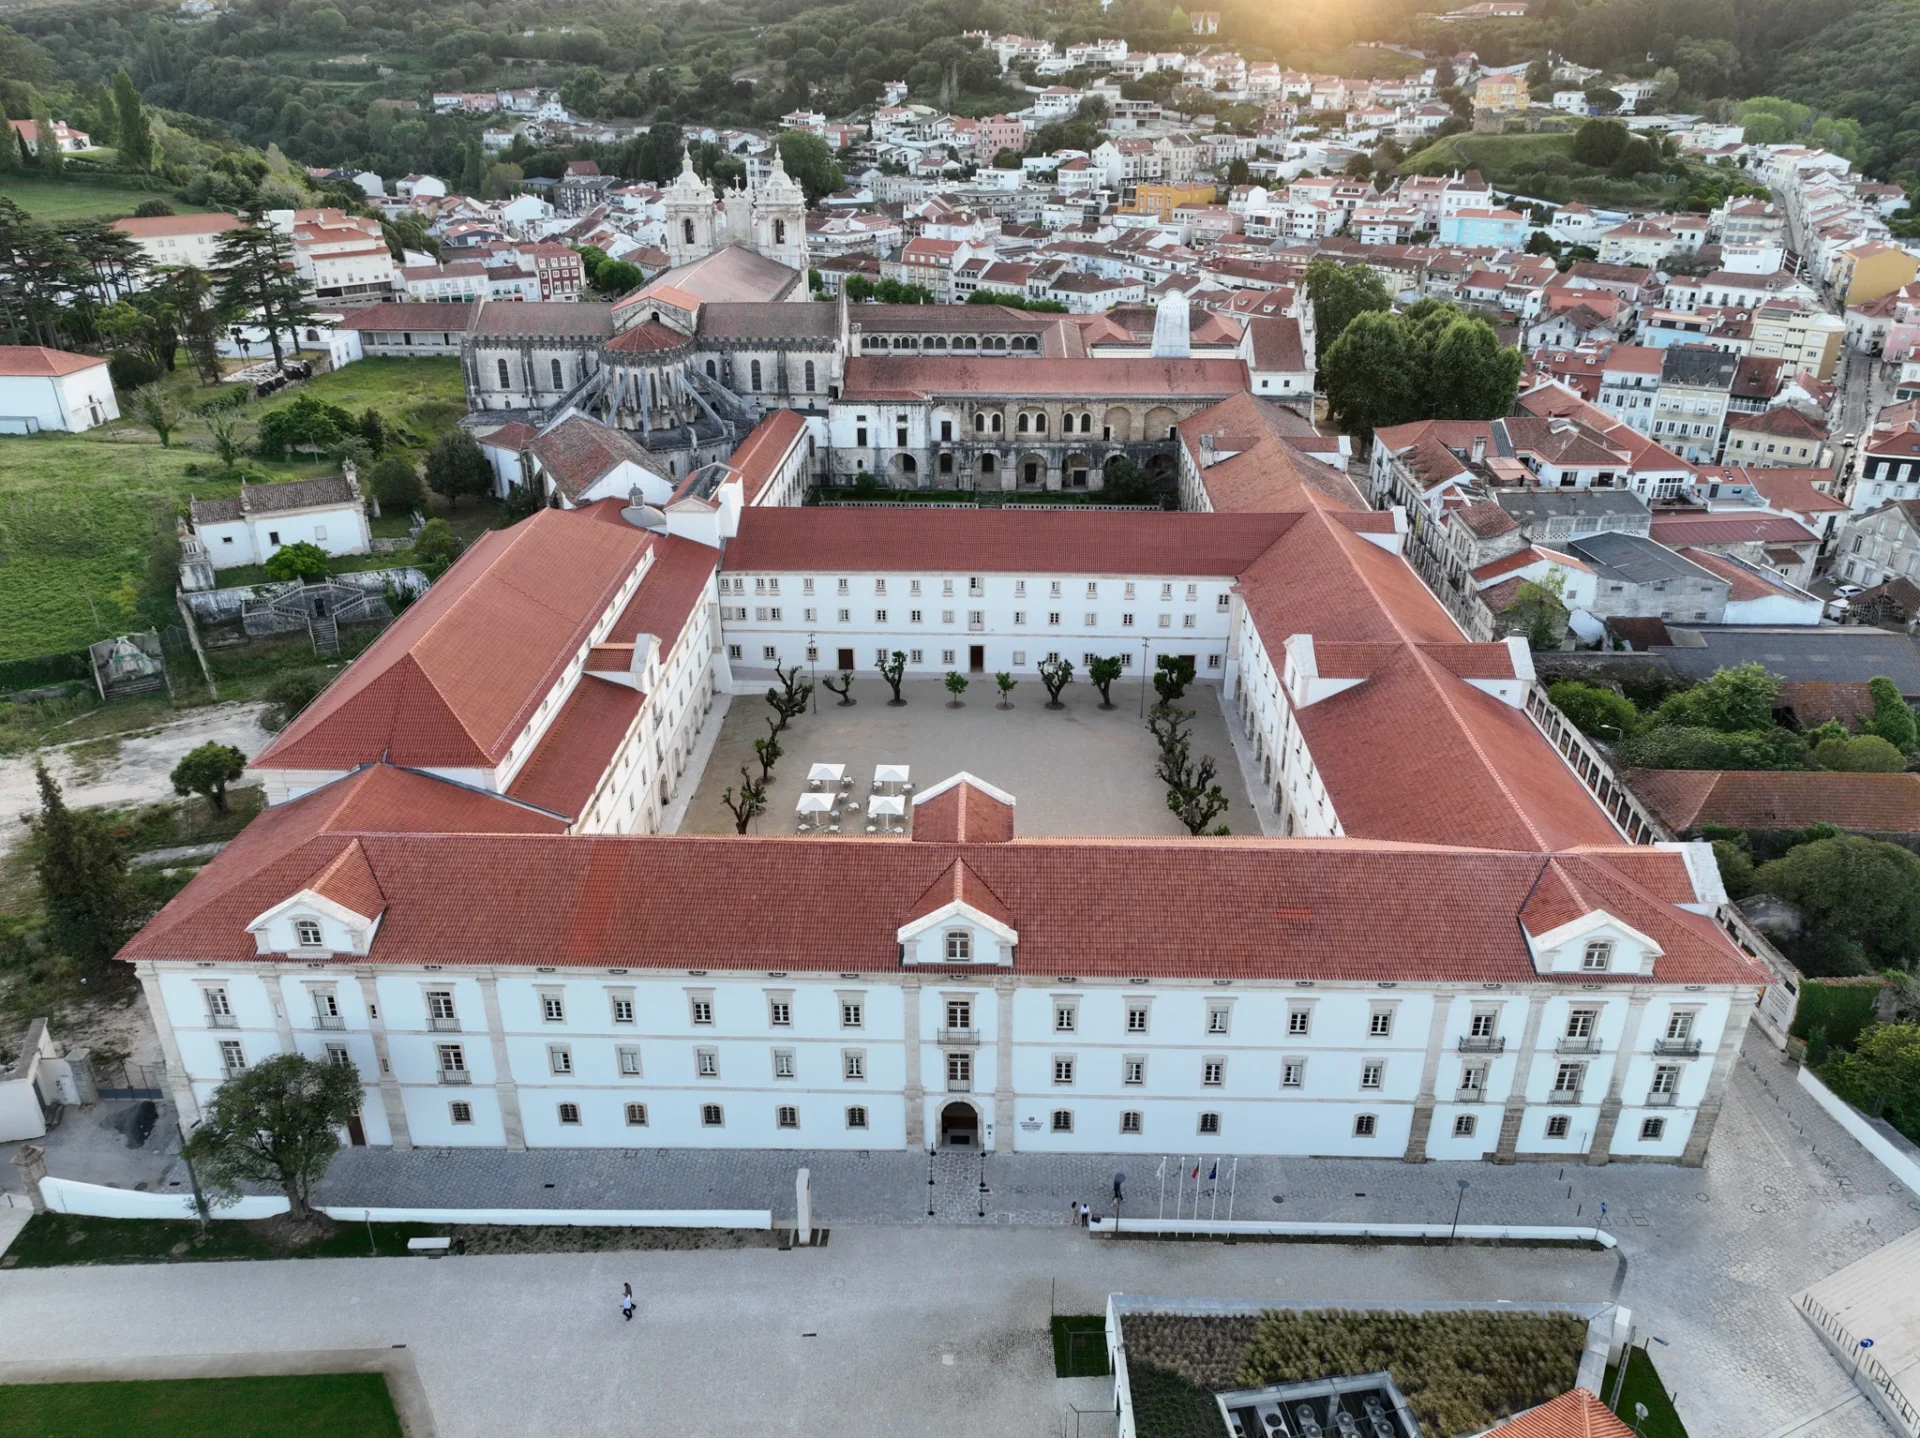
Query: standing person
x=1086, y=1215
x=626, y=1301
x=1073, y=1210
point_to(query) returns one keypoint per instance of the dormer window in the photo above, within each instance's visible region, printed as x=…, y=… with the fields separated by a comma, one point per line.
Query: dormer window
x=959, y=946
x=306, y=933
x=1598, y=957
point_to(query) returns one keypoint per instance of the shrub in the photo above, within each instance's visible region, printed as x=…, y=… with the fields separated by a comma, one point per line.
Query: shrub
x=436, y=546
x=1866, y=754
x=1882, y=1074
x=129, y=371
x=1599, y=713
x=1674, y=746
x=152, y=209
x=1736, y=868
x=1892, y=720
x=1862, y=902
x=298, y=561
x=1838, y=1011
x=288, y=694
x=1732, y=700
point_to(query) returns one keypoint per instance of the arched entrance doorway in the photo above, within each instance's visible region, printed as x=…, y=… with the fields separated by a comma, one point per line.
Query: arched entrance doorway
x=959, y=1126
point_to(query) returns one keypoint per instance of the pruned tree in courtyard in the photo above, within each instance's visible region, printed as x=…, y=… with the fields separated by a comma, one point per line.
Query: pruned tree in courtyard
x=207, y=771
x=1007, y=685
x=1172, y=673
x=956, y=683
x=1102, y=672
x=750, y=803
x=893, y=669
x=844, y=688
x=791, y=697
x=768, y=751
x=1169, y=729
x=1056, y=674
x=275, y=1126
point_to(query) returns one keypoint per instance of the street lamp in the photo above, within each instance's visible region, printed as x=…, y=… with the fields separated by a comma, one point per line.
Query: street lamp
x=1464, y=1186
x=813, y=689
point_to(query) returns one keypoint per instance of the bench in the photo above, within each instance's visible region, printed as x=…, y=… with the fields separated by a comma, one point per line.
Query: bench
x=432, y=1247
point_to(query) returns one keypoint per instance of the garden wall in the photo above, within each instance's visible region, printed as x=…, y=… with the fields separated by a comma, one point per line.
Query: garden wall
x=1358, y=1232
x=1878, y=1138
x=66, y=1195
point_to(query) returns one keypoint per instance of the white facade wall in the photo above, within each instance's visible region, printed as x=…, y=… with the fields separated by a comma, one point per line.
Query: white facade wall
x=1271, y=1082
x=254, y=540
x=71, y=402
x=1015, y=620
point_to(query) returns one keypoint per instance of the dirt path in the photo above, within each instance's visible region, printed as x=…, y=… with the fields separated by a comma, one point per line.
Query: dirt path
x=123, y=770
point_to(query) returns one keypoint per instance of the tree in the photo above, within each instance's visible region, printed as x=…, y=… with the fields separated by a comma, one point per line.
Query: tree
x=300, y=560
x=160, y=413
x=46, y=149
x=1682, y=746
x=768, y=752
x=373, y=428
x=1736, y=868
x=809, y=160
x=1866, y=754
x=893, y=669
x=1599, y=142
x=1192, y=794
x=456, y=465
x=1172, y=673
x=287, y=694
x=1892, y=720
x=1006, y=683
x=1340, y=292
x=258, y=283
x=1861, y=898
x=1102, y=673
x=197, y=307
x=436, y=545
x=502, y=182
x=1731, y=700
x=844, y=688
x=83, y=878
x=1372, y=373
x=956, y=683
x=1471, y=374
x=790, y=700
x=749, y=804
x=396, y=485
x=276, y=1126
x=1538, y=612
x=1056, y=675
x=1599, y=713
x=1882, y=1074
x=135, y=130
x=207, y=771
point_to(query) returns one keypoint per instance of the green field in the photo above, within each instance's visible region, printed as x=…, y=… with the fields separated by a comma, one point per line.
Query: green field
x=65, y=202
x=1643, y=1386
x=314, y=1404
x=77, y=512
x=1542, y=166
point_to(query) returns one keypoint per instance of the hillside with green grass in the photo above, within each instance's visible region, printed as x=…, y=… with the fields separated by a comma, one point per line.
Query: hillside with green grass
x=1542, y=166
x=63, y=202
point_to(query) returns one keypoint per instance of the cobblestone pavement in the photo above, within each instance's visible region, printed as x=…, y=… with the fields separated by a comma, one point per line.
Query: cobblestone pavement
x=1709, y=1257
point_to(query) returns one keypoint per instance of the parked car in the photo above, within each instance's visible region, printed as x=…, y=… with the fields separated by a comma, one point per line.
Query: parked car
x=1846, y=591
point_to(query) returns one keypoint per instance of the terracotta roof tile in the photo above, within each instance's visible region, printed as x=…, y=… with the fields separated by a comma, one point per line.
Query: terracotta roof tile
x=1576, y=1414
x=760, y=454
x=30, y=361
x=1781, y=799
x=875, y=378
x=575, y=752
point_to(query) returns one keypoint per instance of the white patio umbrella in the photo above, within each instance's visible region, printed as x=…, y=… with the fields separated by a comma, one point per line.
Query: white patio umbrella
x=826, y=773
x=886, y=804
x=814, y=803
x=890, y=773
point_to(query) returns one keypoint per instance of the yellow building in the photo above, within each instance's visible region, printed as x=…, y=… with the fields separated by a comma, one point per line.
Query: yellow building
x=1162, y=200
x=1866, y=272
x=1497, y=93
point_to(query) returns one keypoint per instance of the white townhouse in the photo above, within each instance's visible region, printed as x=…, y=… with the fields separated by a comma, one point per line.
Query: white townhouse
x=43, y=389
x=252, y=527
x=1443, y=950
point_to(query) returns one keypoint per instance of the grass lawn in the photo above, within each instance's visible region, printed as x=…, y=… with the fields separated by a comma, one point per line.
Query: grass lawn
x=1506, y=160
x=1080, y=1345
x=65, y=202
x=422, y=396
x=296, y=1406
x=1644, y=1386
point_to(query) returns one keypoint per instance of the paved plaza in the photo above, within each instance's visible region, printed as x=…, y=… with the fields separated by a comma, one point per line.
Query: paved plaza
x=1081, y=770
x=1709, y=1260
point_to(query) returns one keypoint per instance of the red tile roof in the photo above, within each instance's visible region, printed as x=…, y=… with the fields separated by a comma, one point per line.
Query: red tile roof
x=762, y=452
x=578, y=452
x=866, y=541
x=37, y=361
x=1577, y=1414
x=1781, y=799
x=1743, y=583
x=459, y=674
x=578, y=747
x=890, y=378
x=1679, y=530
x=962, y=814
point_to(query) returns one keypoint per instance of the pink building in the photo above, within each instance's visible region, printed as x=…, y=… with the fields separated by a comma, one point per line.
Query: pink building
x=1000, y=132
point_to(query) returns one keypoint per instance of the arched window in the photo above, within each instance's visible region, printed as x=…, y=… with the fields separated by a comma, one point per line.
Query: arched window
x=1033, y=342
x=506, y=377
x=755, y=370
x=686, y=231
x=559, y=380
x=1086, y=423
x=809, y=376
x=779, y=232
x=986, y=464
x=1039, y=424
x=713, y=371
x=996, y=424
x=1023, y=424
x=979, y=423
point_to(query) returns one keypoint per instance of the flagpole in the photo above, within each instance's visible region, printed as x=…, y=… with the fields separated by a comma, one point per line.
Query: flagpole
x=1163, y=1188
x=1213, y=1207
x=1233, y=1183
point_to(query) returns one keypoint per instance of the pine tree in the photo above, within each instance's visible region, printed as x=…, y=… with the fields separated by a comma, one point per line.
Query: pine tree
x=136, y=130
x=258, y=282
x=193, y=297
x=83, y=878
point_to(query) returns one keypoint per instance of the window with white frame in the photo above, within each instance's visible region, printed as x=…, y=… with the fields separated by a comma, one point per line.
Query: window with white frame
x=1652, y=1130
x=853, y=1065
x=783, y=1063
x=700, y=1008
x=622, y=1004
x=1293, y=1073
x=553, y=1009
x=219, y=1006
x=559, y=1059
x=852, y=1010
x=1580, y=1023
x=1567, y=1078
x=1380, y=1022
x=338, y=1054
x=569, y=1114
x=1680, y=1025
x=1219, y=1015
x=1464, y=1125
x=1372, y=1074
x=1063, y=1120
x=1473, y=1079
x=1136, y=1018
x=636, y=1115
x=1666, y=1080
x=1133, y=1070
x=1066, y=1015
x=1063, y=1068
x=1598, y=956
x=233, y=1057
x=706, y=1063
x=440, y=1011
x=1483, y=1023
x=780, y=1011
x=307, y=934
x=1299, y=1019
x=786, y=1115
x=959, y=945
x=628, y=1058
x=453, y=1058
x=1213, y=1072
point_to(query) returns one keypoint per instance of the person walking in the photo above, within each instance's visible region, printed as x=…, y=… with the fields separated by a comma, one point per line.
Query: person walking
x=626, y=1301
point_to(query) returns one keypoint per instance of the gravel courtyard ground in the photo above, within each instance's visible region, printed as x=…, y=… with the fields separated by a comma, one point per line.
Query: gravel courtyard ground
x=1083, y=770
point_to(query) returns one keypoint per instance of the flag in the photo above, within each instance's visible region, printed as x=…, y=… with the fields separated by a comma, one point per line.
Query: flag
x=1161, y=1172
x=1195, y=1175
x=1213, y=1172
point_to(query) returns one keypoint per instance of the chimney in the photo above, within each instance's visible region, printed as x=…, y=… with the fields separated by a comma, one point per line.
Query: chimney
x=1206, y=451
x=1479, y=448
